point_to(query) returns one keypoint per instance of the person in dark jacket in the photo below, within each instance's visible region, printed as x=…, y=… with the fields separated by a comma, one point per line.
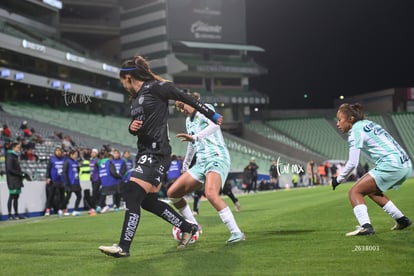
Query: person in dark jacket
x=55, y=189
x=14, y=176
x=121, y=169
x=110, y=180
x=71, y=179
x=95, y=181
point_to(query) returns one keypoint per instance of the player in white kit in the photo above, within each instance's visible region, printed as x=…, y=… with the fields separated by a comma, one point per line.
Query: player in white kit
x=211, y=168
x=392, y=167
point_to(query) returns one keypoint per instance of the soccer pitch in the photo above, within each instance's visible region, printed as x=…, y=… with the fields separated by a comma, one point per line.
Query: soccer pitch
x=297, y=231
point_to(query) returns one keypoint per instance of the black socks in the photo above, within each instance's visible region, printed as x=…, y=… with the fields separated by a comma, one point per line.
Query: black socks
x=165, y=211
x=133, y=195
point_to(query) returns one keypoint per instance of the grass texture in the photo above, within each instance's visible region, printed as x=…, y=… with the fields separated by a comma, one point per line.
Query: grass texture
x=288, y=232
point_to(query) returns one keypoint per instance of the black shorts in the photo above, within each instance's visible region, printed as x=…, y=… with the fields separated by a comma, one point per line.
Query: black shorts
x=151, y=168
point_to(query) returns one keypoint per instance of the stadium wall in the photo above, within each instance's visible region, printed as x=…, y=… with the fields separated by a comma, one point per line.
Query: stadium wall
x=32, y=200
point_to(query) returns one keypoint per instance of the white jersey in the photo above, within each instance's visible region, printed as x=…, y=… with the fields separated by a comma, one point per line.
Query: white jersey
x=378, y=145
x=211, y=146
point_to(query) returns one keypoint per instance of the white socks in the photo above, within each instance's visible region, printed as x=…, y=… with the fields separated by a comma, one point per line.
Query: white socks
x=392, y=210
x=361, y=214
x=228, y=219
x=187, y=214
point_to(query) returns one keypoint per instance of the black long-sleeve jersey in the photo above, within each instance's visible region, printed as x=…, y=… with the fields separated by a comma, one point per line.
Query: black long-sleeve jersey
x=150, y=105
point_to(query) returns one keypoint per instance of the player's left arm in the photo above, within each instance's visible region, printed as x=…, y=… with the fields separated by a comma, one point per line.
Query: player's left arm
x=349, y=167
x=174, y=93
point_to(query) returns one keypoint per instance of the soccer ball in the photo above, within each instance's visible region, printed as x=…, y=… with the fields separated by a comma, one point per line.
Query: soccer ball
x=176, y=233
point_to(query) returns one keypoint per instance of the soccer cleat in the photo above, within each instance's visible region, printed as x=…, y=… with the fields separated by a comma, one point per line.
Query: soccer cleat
x=236, y=237
x=187, y=236
x=402, y=223
x=98, y=209
x=60, y=213
x=237, y=206
x=113, y=251
x=363, y=230
x=66, y=212
x=76, y=213
x=47, y=212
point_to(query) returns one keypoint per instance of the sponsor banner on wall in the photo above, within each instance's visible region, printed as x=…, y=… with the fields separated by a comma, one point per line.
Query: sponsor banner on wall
x=219, y=21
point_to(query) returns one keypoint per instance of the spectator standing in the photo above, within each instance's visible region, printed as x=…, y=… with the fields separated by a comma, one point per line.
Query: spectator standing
x=84, y=166
x=109, y=181
x=121, y=169
x=246, y=182
x=274, y=174
x=327, y=168
x=95, y=180
x=321, y=173
x=55, y=189
x=71, y=179
x=253, y=167
x=14, y=176
x=128, y=161
x=312, y=173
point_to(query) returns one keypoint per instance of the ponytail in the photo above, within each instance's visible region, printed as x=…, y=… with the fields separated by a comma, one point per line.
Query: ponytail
x=138, y=68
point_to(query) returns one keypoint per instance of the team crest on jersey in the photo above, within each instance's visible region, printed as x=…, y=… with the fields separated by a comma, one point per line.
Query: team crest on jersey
x=158, y=179
x=141, y=100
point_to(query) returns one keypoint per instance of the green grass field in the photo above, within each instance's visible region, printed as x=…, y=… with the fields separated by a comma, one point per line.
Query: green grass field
x=297, y=231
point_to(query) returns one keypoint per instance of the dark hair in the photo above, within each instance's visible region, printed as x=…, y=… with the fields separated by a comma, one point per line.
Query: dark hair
x=14, y=144
x=138, y=68
x=71, y=152
x=352, y=111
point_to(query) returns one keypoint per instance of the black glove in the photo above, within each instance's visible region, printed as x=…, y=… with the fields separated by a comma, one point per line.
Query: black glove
x=334, y=183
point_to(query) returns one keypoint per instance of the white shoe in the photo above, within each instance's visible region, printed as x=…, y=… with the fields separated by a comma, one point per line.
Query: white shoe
x=114, y=251
x=105, y=209
x=236, y=237
x=75, y=213
x=364, y=230
x=60, y=213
